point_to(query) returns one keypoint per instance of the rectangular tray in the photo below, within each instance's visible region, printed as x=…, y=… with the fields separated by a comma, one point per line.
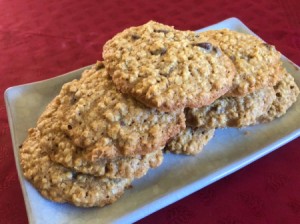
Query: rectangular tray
x=230, y=150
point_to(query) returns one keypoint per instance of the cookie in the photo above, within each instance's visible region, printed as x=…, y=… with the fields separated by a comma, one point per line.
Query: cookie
x=63, y=151
x=68, y=155
x=190, y=141
x=232, y=111
x=257, y=63
x=61, y=184
x=166, y=68
x=287, y=92
x=106, y=123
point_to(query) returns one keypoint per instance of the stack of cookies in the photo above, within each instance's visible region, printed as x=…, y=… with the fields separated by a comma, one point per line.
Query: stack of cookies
x=92, y=141
x=157, y=89
x=262, y=90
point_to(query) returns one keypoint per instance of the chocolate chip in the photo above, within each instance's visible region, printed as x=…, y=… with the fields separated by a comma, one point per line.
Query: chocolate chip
x=191, y=120
x=217, y=51
x=161, y=31
x=172, y=68
x=106, y=171
x=163, y=51
x=73, y=100
x=99, y=66
x=70, y=127
x=79, y=150
x=214, y=108
x=135, y=37
x=232, y=57
x=20, y=146
x=160, y=51
x=74, y=175
x=205, y=45
x=247, y=57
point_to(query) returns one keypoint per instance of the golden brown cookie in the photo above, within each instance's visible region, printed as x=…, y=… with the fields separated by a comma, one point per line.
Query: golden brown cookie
x=61, y=184
x=166, y=68
x=190, y=141
x=63, y=151
x=257, y=63
x=104, y=122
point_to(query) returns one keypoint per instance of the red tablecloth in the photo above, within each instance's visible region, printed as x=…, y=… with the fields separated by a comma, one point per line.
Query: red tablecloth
x=40, y=39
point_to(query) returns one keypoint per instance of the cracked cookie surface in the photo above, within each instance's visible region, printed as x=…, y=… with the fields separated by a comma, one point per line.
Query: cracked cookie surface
x=166, y=68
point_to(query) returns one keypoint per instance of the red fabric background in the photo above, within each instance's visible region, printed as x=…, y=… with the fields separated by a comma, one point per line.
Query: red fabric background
x=40, y=39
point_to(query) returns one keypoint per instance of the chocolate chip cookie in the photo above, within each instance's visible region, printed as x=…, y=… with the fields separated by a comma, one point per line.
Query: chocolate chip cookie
x=166, y=68
x=106, y=123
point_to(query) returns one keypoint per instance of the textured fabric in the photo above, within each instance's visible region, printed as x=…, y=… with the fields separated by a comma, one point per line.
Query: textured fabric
x=41, y=39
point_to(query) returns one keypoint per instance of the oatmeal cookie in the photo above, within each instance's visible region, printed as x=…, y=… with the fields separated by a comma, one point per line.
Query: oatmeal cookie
x=287, y=92
x=75, y=158
x=256, y=62
x=63, y=151
x=190, y=141
x=166, y=68
x=61, y=184
x=232, y=111
x=104, y=122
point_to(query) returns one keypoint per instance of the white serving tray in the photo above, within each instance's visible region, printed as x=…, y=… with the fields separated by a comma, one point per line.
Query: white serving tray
x=178, y=176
